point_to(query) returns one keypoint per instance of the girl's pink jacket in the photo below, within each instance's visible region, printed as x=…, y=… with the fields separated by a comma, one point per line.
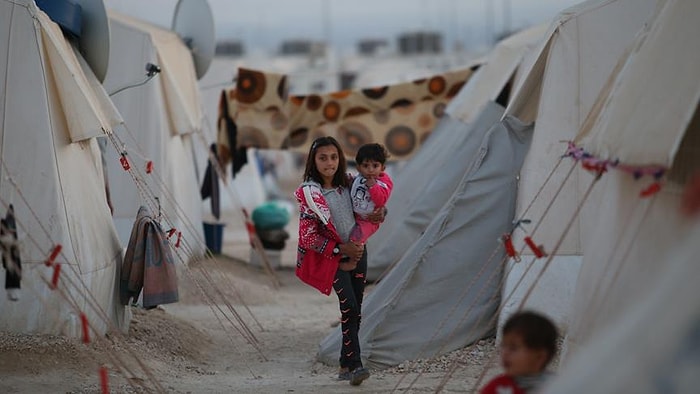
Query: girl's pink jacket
x=316, y=263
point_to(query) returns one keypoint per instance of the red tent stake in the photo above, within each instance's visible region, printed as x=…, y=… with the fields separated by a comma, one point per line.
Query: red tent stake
x=56, y=274
x=508, y=244
x=103, y=380
x=536, y=250
x=86, y=328
x=54, y=254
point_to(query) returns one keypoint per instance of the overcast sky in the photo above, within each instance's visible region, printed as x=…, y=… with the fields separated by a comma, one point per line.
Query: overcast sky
x=263, y=24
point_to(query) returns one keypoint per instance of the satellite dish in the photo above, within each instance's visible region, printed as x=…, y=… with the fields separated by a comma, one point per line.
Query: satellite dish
x=86, y=23
x=194, y=23
x=93, y=42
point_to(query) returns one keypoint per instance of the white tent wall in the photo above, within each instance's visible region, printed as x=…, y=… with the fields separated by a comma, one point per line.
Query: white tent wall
x=635, y=236
x=652, y=345
x=581, y=50
x=418, y=192
x=182, y=180
x=152, y=131
x=180, y=88
x=444, y=292
x=56, y=186
x=628, y=253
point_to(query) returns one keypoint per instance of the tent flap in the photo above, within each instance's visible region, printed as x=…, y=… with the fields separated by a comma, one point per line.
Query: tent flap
x=80, y=104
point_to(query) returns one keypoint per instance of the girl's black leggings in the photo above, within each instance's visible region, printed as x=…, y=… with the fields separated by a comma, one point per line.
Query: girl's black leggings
x=350, y=287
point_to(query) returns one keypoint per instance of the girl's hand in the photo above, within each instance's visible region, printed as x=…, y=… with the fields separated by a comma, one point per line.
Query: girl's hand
x=347, y=266
x=352, y=250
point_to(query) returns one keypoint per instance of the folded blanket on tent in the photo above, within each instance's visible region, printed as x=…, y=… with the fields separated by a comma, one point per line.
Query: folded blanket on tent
x=148, y=264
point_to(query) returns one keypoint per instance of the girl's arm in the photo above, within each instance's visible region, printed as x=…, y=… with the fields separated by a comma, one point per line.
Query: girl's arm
x=313, y=235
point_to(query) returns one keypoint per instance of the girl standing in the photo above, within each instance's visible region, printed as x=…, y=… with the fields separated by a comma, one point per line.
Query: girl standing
x=326, y=258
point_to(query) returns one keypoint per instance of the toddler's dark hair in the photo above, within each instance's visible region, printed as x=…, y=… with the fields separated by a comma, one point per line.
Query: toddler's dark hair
x=537, y=331
x=375, y=152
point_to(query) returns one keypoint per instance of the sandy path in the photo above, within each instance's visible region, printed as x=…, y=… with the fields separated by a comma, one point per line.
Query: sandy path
x=190, y=351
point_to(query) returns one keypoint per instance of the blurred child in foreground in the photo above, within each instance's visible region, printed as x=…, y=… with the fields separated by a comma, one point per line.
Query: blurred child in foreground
x=528, y=345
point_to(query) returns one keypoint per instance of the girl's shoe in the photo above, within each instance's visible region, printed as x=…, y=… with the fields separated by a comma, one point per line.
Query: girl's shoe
x=358, y=375
x=344, y=374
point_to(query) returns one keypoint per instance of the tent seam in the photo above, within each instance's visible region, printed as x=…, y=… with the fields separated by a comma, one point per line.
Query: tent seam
x=42, y=52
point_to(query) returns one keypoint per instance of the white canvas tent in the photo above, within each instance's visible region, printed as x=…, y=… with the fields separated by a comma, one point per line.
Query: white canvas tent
x=418, y=192
x=51, y=108
x=161, y=118
x=639, y=131
x=636, y=306
x=560, y=84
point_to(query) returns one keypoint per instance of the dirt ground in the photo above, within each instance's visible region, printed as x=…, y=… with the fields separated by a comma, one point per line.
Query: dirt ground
x=199, y=345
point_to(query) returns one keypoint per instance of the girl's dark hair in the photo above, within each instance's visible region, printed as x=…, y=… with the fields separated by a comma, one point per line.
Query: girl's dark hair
x=311, y=172
x=537, y=331
x=375, y=152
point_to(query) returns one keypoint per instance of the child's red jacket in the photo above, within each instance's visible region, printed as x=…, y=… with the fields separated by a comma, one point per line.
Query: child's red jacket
x=502, y=384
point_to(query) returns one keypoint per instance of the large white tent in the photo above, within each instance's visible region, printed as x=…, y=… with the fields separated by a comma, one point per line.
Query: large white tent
x=51, y=109
x=162, y=118
x=560, y=83
x=636, y=306
x=642, y=134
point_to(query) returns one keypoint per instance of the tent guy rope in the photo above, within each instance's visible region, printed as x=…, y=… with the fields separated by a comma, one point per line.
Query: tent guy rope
x=470, y=286
x=68, y=282
x=530, y=289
